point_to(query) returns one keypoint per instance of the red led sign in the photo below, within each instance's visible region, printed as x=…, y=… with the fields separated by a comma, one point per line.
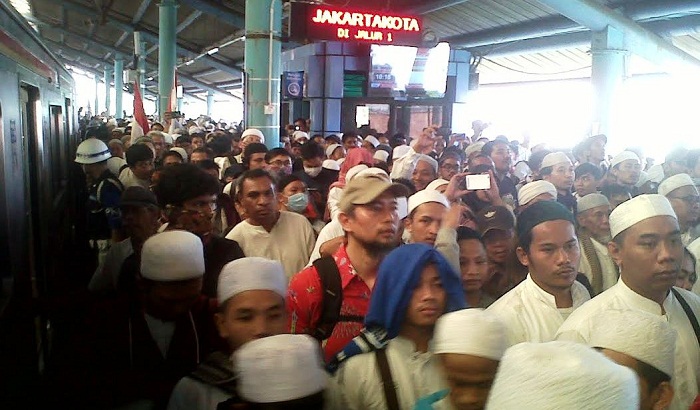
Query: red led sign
x=341, y=24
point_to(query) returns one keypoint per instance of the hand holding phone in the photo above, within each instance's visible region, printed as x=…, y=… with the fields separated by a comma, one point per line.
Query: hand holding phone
x=478, y=181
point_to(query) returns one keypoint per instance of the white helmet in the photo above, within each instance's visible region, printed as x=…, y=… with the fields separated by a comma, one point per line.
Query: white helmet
x=92, y=151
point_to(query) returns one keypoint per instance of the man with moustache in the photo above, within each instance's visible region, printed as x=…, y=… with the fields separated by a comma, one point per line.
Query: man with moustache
x=534, y=310
x=558, y=169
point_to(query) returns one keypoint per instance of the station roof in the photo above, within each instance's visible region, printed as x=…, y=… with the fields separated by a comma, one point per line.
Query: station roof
x=512, y=40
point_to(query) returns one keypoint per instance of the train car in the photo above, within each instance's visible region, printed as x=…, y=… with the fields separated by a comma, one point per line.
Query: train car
x=37, y=142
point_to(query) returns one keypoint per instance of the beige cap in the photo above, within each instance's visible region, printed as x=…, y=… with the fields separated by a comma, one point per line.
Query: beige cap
x=364, y=189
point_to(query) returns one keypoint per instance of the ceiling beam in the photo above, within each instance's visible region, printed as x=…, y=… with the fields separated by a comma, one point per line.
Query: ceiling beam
x=140, y=12
x=121, y=39
x=637, y=39
x=150, y=36
x=433, y=6
x=188, y=20
x=222, y=13
x=205, y=73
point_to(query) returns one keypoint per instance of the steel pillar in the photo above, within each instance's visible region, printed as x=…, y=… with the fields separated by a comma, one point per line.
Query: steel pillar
x=167, y=40
x=263, y=50
x=210, y=102
x=96, y=111
x=118, y=86
x=607, y=74
x=108, y=80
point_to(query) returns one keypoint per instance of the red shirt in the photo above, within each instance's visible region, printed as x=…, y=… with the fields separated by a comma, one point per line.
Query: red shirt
x=304, y=300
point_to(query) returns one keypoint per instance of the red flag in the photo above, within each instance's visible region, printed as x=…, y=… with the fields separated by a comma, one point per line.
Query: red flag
x=139, y=127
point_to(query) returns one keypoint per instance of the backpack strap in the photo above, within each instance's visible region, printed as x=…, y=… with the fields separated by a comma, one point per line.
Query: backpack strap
x=392, y=401
x=332, y=291
x=688, y=312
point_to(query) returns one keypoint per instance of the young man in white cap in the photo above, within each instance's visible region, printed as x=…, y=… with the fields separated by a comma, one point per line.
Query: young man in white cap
x=414, y=164
x=251, y=295
x=625, y=169
x=369, y=218
x=643, y=342
x=646, y=245
x=267, y=232
x=558, y=169
x=281, y=372
x=138, y=346
x=681, y=192
x=534, y=192
x=534, y=310
x=370, y=143
x=248, y=137
x=469, y=344
x=561, y=375
x=426, y=210
x=593, y=232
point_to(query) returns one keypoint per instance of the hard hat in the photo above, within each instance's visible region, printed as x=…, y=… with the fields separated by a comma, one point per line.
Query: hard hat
x=92, y=151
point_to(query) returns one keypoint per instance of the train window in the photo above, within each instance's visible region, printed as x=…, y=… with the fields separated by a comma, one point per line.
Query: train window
x=57, y=155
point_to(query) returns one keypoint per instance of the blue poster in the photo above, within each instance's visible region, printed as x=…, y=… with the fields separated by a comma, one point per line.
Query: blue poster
x=293, y=84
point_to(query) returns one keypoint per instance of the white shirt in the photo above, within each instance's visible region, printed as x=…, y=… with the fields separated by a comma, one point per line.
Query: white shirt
x=358, y=383
x=334, y=196
x=607, y=265
x=332, y=230
x=621, y=297
x=531, y=314
x=192, y=394
x=127, y=178
x=107, y=274
x=290, y=241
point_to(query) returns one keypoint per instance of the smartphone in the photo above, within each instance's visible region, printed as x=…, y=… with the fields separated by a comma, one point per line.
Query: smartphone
x=478, y=181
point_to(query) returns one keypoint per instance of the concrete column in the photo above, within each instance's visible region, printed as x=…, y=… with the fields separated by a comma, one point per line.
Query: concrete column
x=167, y=40
x=458, y=89
x=108, y=80
x=607, y=75
x=263, y=67
x=97, y=100
x=118, y=86
x=210, y=102
x=141, y=67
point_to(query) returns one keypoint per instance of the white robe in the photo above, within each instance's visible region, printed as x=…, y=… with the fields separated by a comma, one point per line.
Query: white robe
x=531, y=314
x=621, y=297
x=358, y=384
x=608, y=267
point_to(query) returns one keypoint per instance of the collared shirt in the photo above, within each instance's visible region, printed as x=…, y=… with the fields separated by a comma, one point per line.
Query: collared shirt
x=607, y=265
x=305, y=300
x=531, y=314
x=358, y=383
x=129, y=179
x=687, y=359
x=290, y=241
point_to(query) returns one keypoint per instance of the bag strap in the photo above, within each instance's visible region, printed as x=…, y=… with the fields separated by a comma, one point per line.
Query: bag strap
x=689, y=313
x=392, y=401
x=332, y=294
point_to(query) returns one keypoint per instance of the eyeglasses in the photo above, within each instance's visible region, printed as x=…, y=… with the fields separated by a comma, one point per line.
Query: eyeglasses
x=450, y=167
x=281, y=163
x=689, y=199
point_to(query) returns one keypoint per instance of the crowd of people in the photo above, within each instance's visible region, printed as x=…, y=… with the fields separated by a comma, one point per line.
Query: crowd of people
x=371, y=271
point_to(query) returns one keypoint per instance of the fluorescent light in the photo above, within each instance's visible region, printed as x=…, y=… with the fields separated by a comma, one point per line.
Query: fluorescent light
x=213, y=51
x=189, y=62
x=150, y=78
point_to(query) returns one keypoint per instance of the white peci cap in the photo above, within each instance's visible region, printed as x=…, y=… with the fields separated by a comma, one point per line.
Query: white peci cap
x=381, y=155
x=279, y=368
x=624, y=156
x=299, y=135
x=532, y=190
x=331, y=164
x=253, y=132
x=638, y=209
x=331, y=148
x=372, y=140
x=474, y=332
x=475, y=147
x=591, y=201
x=674, y=182
x=251, y=273
x=172, y=256
x=437, y=184
x=430, y=160
x=555, y=158
x=425, y=196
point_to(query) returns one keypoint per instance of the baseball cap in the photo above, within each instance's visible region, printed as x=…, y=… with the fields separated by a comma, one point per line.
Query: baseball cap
x=495, y=217
x=365, y=188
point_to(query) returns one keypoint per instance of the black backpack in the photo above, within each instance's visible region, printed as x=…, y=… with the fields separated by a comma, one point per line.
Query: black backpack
x=332, y=289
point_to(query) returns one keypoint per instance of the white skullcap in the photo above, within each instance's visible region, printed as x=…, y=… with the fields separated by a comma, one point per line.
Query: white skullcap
x=430, y=160
x=167, y=138
x=475, y=147
x=470, y=331
x=381, y=155
x=112, y=122
x=638, y=334
x=180, y=151
x=674, y=182
x=352, y=172
x=656, y=173
x=255, y=132
x=331, y=164
x=372, y=140
x=532, y=190
x=425, y=196
x=194, y=130
x=252, y=273
x=402, y=207
x=591, y=201
x=172, y=256
x=554, y=158
x=638, y=209
x=299, y=135
x=643, y=179
x=437, y=184
x=561, y=375
x=400, y=151
x=624, y=156
x=331, y=148
x=279, y=368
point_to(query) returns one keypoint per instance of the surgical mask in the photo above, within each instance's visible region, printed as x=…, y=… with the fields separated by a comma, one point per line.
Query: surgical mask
x=312, y=172
x=298, y=202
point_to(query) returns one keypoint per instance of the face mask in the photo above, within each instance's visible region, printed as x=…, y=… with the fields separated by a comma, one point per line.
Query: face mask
x=298, y=202
x=312, y=172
